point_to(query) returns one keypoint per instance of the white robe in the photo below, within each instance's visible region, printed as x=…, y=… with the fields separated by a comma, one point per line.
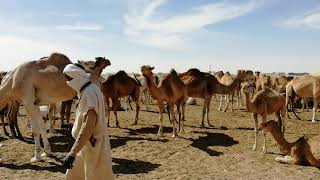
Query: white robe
x=92, y=163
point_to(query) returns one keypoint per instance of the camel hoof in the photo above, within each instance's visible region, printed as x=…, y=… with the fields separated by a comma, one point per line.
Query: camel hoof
x=135, y=123
x=314, y=121
x=35, y=159
x=160, y=134
x=264, y=151
x=254, y=148
x=174, y=135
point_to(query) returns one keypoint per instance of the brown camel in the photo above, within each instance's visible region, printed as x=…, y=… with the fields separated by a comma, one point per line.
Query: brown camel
x=171, y=90
x=204, y=85
x=228, y=79
x=117, y=86
x=264, y=102
x=306, y=86
x=302, y=151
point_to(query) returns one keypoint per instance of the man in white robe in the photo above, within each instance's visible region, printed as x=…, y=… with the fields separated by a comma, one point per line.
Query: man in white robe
x=90, y=156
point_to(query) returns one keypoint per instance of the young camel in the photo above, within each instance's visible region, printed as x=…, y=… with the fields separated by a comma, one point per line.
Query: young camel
x=204, y=85
x=264, y=102
x=306, y=87
x=117, y=86
x=171, y=90
x=228, y=79
x=302, y=151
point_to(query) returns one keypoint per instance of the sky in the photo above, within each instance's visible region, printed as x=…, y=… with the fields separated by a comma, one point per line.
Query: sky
x=264, y=35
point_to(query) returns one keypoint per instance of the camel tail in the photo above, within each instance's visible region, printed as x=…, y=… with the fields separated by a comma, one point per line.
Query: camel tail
x=135, y=77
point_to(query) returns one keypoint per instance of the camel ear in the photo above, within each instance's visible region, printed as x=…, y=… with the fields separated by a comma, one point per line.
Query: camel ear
x=79, y=62
x=151, y=68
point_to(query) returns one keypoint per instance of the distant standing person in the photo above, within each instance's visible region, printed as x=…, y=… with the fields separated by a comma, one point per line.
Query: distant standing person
x=90, y=155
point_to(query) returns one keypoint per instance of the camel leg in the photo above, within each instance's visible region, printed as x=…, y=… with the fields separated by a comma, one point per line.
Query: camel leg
x=239, y=99
x=38, y=128
x=183, y=115
x=171, y=108
x=208, y=111
x=160, y=105
x=204, y=110
x=315, y=106
x=227, y=102
x=220, y=106
x=255, y=121
x=3, y=125
x=115, y=105
x=68, y=110
x=285, y=159
x=137, y=111
x=108, y=110
x=264, y=148
x=178, y=103
x=62, y=113
x=278, y=114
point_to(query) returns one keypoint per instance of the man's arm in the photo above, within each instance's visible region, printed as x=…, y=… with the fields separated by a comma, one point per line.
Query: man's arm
x=85, y=133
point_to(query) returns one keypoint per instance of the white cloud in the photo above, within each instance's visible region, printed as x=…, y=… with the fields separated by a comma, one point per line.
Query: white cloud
x=310, y=20
x=149, y=27
x=80, y=27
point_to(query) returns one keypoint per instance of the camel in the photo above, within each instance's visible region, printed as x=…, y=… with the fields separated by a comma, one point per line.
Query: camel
x=144, y=91
x=204, y=85
x=37, y=83
x=95, y=69
x=302, y=151
x=264, y=102
x=279, y=83
x=171, y=90
x=262, y=81
x=117, y=86
x=306, y=86
x=227, y=79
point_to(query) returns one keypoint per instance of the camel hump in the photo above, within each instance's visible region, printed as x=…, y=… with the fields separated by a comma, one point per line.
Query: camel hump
x=194, y=72
x=121, y=73
x=173, y=72
x=57, y=59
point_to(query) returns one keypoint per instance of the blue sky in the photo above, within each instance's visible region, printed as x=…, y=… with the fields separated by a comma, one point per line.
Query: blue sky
x=265, y=35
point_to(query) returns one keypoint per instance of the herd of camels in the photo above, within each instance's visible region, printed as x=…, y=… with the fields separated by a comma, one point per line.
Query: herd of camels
x=42, y=82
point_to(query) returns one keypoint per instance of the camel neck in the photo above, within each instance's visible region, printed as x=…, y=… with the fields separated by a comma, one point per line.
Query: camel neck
x=97, y=71
x=248, y=102
x=285, y=146
x=224, y=89
x=152, y=87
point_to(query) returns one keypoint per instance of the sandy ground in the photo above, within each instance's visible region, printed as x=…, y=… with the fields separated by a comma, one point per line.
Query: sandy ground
x=219, y=152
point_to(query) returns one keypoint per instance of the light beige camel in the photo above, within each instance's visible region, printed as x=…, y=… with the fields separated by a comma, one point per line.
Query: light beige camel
x=279, y=83
x=262, y=81
x=36, y=83
x=228, y=79
x=171, y=90
x=264, y=102
x=204, y=85
x=306, y=86
x=117, y=86
x=301, y=152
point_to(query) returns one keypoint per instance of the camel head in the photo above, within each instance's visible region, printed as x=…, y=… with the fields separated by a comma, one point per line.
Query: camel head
x=219, y=74
x=248, y=87
x=146, y=70
x=269, y=126
x=101, y=62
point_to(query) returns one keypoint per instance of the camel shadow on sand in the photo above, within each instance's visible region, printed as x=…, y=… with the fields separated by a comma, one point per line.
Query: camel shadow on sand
x=126, y=166
x=53, y=167
x=212, y=139
x=121, y=166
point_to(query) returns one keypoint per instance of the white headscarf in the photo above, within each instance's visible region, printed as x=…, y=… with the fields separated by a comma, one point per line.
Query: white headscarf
x=80, y=77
